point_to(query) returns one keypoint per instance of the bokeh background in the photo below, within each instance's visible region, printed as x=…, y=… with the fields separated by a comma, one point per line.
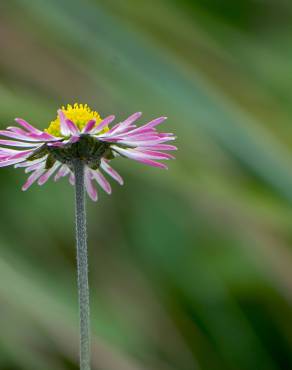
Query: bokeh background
x=190, y=268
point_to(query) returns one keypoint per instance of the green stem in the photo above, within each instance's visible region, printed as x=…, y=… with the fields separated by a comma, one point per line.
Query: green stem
x=82, y=265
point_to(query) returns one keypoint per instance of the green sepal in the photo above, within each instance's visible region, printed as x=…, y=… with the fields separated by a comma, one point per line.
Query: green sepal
x=109, y=154
x=50, y=162
x=38, y=153
x=94, y=165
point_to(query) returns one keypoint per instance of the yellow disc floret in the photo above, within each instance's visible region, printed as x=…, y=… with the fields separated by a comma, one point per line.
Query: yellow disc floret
x=79, y=114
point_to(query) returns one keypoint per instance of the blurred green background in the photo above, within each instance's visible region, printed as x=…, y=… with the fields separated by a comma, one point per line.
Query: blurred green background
x=190, y=268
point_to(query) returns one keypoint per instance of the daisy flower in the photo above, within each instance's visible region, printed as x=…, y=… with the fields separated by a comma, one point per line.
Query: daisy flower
x=80, y=133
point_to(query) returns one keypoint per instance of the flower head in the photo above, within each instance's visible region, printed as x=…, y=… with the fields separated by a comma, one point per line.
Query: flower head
x=80, y=133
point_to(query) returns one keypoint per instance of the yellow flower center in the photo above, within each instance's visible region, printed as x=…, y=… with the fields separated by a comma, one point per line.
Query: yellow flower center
x=79, y=114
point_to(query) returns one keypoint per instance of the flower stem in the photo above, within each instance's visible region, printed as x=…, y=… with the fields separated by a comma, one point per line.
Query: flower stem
x=82, y=265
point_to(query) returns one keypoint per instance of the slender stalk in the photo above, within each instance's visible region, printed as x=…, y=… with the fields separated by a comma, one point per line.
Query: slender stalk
x=82, y=265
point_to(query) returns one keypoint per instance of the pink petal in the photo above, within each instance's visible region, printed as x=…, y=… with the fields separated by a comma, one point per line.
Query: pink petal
x=105, y=122
x=144, y=142
x=107, y=139
x=73, y=139
x=58, y=144
x=138, y=137
x=89, y=126
x=17, y=130
x=135, y=154
x=44, y=136
x=140, y=157
x=10, y=162
x=5, y=156
x=145, y=128
x=7, y=151
x=91, y=191
x=22, y=154
x=26, y=137
x=15, y=158
x=155, y=122
x=67, y=126
x=34, y=167
x=149, y=162
x=63, y=171
x=132, y=118
x=72, y=127
x=18, y=143
x=135, y=142
x=123, y=131
x=26, y=125
x=166, y=134
x=110, y=171
x=102, y=181
x=160, y=147
x=140, y=130
x=125, y=124
x=32, y=178
x=30, y=163
x=45, y=177
x=153, y=154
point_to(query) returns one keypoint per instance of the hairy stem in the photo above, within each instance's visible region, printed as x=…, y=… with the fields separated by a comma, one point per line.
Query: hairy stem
x=82, y=265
